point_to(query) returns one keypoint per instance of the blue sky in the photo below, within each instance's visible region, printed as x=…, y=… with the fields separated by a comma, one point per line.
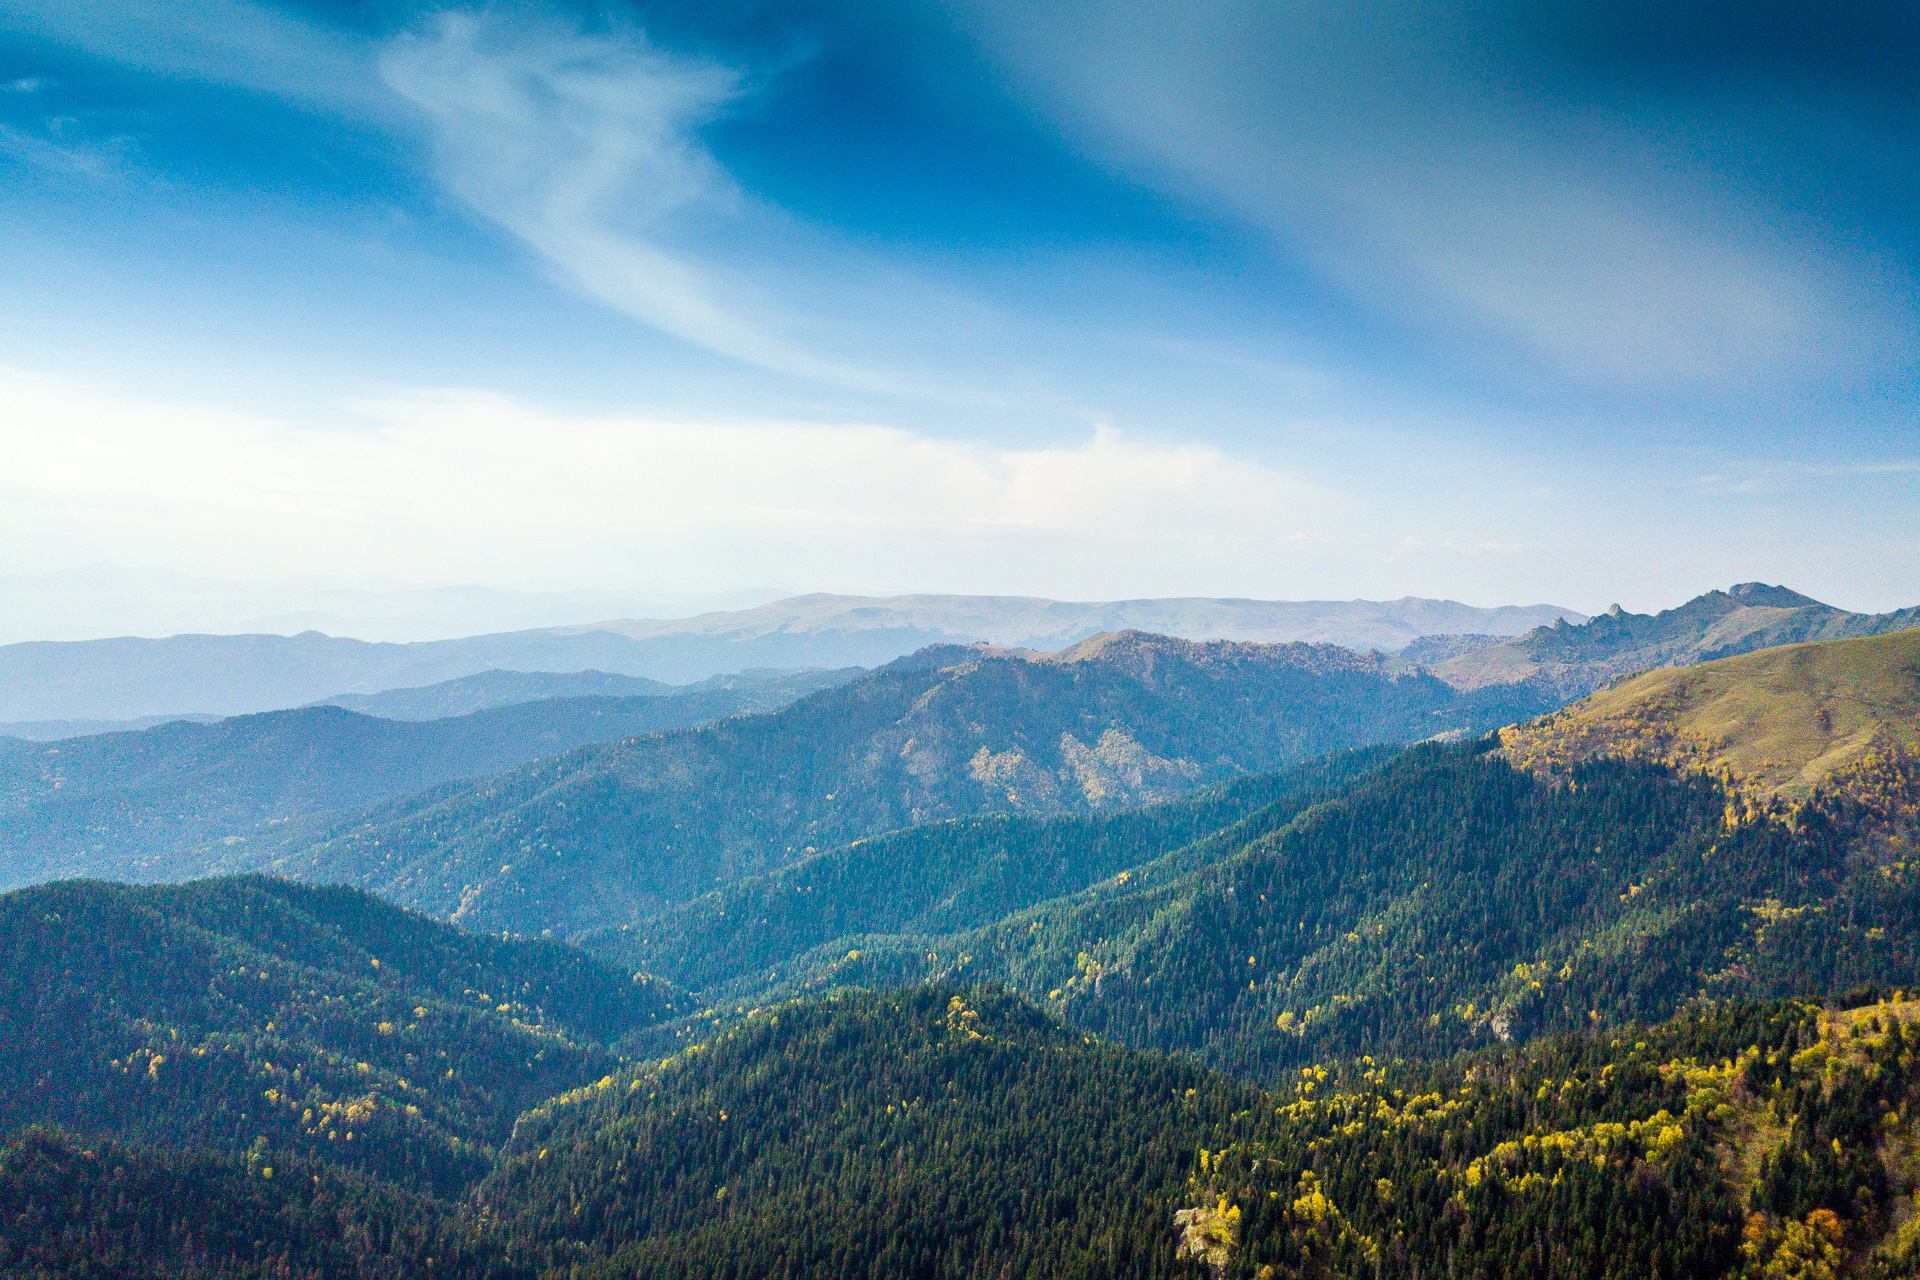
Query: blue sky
x=1505, y=302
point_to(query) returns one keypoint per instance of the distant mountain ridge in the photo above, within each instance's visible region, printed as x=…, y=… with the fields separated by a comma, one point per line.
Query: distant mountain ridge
x=180, y=799
x=1572, y=660
x=752, y=690
x=238, y=675
x=130, y=677
x=484, y=690
x=57, y=730
x=1034, y=623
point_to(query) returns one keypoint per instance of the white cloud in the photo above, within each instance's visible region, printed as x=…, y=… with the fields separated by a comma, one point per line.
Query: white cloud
x=466, y=486
x=471, y=486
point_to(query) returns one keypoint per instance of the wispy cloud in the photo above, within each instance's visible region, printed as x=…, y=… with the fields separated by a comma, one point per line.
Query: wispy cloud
x=1757, y=478
x=587, y=148
x=584, y=147
x=1444, y=167
x=68, y=159
x=226, y=42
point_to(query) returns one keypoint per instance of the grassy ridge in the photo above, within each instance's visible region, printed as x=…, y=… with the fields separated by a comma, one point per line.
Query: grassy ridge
x=1783, y=720
x=1576, y=660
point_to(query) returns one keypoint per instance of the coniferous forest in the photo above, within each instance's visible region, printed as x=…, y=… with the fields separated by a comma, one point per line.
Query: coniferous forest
x=1478, y=1007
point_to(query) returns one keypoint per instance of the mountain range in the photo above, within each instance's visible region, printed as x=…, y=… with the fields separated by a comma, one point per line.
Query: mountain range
x=183, y=798
x=1573, y=660
x=128, y=677
x=1027, y=622
x=1619, y=992
x=611, y=832
x=1561, y=651
x=1527, y=883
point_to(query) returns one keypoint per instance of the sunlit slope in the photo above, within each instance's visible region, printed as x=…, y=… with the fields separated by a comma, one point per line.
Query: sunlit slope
x=957, y=1134
x=946, y=1132
x=1782, y=720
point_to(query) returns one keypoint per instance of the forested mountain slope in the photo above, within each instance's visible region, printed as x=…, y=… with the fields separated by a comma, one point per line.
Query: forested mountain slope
x=1451, y=899
x=186, y=799
x=946, y=876
x=608, y=834
x=955, y=1132
x=232, y=1013
x=1752, y=1140
x=1573, y=660
x=1447, y=902
x=942, y=1132
x=932, y=1133
x=100, y=1208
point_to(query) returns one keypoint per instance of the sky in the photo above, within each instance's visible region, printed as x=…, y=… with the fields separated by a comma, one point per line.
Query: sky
x=1507, y=302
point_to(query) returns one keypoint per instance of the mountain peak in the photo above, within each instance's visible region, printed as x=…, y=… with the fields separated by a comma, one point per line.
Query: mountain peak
x=1759, y=593
x=1576, y=660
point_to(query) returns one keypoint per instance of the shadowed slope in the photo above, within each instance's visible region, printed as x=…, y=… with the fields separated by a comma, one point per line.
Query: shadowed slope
x=320, y=1020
